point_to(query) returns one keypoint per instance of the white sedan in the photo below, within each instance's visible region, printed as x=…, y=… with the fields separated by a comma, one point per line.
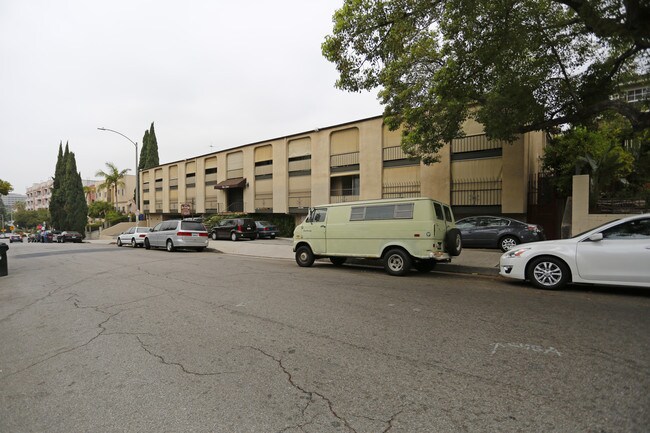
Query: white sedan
x=133, y=236
x=616, y=253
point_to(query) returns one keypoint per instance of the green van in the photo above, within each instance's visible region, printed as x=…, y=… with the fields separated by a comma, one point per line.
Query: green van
x=403, y=233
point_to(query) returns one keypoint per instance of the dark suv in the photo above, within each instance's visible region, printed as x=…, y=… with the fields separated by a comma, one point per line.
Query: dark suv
x=234, y=228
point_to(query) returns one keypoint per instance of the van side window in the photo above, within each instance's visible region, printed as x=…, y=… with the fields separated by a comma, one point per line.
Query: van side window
x=448, y=215
x=439, y=214
x=382, y=212
x=319, y=215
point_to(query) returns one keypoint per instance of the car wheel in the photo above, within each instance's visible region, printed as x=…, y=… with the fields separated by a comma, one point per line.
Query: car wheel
x=548, y=273
x=233, y=236
x=200, y=249
x=454, y=242
x=119, y=242
x=133, y=244
x=338, y=261
x=272, y=236
x=147, y=245
x=424, y=265
x=397, y=262
x=214, y=236
x=304, y=256
x=507, y=243
x=170, y=246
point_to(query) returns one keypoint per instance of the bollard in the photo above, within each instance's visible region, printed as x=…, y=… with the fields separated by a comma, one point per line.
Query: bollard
x=3, y=260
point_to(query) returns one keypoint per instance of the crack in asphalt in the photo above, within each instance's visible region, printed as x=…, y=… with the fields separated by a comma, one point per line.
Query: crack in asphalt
x=310, y=394
x=178, y=364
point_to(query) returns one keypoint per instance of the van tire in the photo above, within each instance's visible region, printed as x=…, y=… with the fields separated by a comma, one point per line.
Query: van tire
x=147, y=245
x=338, y=261
x=304, y=256
x=454, y=242
x=170, y=246
x=397, y=262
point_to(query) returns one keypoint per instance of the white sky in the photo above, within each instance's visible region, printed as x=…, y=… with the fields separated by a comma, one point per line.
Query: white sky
x=208, y=73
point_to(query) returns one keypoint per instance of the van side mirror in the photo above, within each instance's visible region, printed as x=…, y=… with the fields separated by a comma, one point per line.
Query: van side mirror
x=596, y=237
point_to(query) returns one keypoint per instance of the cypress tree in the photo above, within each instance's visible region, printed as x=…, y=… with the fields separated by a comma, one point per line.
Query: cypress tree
x=153, y=159
x=144, y=151
x=57, y=199
x=76, y=208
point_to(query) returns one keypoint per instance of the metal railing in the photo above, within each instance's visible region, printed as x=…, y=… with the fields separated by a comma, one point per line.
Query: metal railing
x=344, y=159
x=401, y=190
x=299, y=201
x=475, y=143
x=476, y=192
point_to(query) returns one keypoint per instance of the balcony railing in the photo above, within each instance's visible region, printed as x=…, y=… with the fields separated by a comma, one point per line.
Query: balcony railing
x=345, y=160
x=302, y=201
x=476, y=192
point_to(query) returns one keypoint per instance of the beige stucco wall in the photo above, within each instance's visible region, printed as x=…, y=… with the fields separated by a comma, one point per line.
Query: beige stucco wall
x=581, y=219
x=516, y=163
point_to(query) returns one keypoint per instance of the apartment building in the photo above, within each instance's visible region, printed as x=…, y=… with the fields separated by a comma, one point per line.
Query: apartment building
x=358, y=160
x=125, y=194
x=39, y=195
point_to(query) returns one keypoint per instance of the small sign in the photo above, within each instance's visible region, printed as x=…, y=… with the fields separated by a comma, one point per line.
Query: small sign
x=185, y=209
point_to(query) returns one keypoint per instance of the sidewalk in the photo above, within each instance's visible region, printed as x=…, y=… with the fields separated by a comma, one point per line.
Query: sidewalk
x=470, y=261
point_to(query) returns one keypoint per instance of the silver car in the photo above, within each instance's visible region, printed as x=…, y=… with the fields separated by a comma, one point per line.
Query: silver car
x=175, y=234
x=133, y=236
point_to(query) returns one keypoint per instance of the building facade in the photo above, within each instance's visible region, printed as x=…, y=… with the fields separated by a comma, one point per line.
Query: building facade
x=39, y=195
x=12, y=198
x=125, y=194
x=358, y=160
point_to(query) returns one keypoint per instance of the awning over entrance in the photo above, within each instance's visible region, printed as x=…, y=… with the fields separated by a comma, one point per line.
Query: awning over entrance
x=238, y=182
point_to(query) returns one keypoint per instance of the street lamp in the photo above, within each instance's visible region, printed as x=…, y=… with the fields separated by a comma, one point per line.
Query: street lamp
x=137, y=180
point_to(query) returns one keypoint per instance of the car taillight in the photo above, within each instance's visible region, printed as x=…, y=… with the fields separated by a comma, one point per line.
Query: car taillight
x=205, y=235
x=184, y=234
x=531, y=228
x=240, y=228
x=141, y=235
x=266, y=229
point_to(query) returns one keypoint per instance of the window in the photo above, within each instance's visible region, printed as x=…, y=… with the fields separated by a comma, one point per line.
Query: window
x=639, y=229
x=382, y=212
x=317, y=215
x=439, y=214
x=448, y=216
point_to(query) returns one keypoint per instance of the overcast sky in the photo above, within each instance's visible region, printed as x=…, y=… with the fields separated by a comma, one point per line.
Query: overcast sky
x=210, y=74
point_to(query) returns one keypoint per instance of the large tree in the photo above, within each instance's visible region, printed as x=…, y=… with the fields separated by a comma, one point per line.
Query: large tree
x=5, y=187
x=513, y=65
x=76, y=208
x=57, y=199
x=113, y=179
x=149, y=153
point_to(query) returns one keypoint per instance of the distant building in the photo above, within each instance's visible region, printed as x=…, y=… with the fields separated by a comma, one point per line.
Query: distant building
x=11, y=199
x=39, y=195
x=125, y=194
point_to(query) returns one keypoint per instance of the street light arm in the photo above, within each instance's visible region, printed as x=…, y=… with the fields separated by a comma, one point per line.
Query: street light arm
x=117, y=132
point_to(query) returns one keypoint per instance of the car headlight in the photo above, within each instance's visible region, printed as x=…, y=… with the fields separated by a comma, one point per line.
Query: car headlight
x=515, y=252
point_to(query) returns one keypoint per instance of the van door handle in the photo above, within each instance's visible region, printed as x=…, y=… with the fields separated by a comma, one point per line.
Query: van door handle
x=323, y=226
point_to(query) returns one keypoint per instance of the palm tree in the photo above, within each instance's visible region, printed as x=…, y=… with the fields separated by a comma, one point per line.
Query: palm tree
x=112, y=179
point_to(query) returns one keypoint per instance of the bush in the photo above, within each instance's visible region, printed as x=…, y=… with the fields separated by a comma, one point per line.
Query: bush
x=284, y=223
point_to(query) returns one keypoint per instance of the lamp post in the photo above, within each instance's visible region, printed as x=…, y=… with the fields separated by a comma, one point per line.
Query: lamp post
x=137, y=177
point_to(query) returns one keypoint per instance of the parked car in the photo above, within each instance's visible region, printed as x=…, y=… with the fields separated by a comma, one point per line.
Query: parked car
x=15, y=237
x=69, y=236
x=133, y=236
x=266, y=230
x=53, y=235
x=234, y=229
x=497, y=232
x=616, y=253
x=175, y=234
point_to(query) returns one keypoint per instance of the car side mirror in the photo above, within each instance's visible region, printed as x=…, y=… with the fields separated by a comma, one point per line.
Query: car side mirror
x=596, y=237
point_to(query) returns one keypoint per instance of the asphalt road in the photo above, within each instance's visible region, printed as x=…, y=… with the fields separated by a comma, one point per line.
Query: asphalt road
x=96, y=338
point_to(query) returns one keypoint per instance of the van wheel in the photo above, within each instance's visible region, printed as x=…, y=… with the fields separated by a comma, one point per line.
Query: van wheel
x=147, y=245
x=338, y=261
x=233, y=236
x=425, y=265
x=397, y=262
x=170, y=246
x=304, y=256
x=454, y=242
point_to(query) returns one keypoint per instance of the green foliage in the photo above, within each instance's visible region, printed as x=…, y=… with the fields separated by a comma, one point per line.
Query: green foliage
x=149, y=152
x=597, y=151
x=113, y=217
x=57, y=200
x=514, y=66
x=76, y=208
x=112, y=179
x=99, y=209
x=30, y=219
x=5, y=187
